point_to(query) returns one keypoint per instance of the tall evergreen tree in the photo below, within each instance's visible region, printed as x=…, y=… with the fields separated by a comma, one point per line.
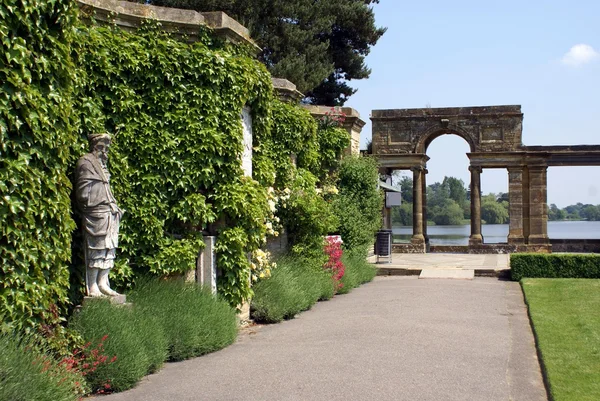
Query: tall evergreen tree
x=319, y=45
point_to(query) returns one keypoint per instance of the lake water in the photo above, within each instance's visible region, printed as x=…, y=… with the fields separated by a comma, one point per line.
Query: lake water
x=495, y=233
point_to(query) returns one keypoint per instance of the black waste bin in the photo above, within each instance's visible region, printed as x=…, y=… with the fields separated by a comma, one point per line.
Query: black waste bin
x=383, y=244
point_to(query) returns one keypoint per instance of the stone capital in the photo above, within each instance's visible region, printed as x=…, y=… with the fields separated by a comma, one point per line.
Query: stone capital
x=475, y=169
x=515, y=169
x=418, y=168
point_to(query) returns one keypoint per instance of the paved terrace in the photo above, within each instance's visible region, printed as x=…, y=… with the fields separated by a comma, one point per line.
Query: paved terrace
x=408, y=264
x=397, y=338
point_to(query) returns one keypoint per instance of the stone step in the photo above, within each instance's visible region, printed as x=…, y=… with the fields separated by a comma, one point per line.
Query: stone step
x=459, y=274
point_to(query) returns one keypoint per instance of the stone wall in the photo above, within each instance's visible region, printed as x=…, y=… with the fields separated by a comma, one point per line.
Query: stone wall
x=576, y=245
x=408, y=248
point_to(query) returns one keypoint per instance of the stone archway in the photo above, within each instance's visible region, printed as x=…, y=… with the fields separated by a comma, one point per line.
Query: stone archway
x=494, y=134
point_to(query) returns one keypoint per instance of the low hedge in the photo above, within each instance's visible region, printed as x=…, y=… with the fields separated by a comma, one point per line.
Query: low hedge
x=169, y=320
x=118, y=332
x=537, y=265
x=193, y=320
x=358, y=271
x=27, y=373
x=296, y=285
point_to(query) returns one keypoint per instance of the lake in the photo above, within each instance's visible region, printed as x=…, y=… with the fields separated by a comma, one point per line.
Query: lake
x=495, y=233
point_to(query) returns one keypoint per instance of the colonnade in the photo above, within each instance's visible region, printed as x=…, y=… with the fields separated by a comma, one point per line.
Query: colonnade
x=528, y=211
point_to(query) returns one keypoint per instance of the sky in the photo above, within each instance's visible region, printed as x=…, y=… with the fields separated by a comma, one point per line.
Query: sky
x=542, y=55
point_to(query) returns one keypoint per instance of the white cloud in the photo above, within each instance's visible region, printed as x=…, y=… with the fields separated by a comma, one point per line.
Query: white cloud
x=579, y=54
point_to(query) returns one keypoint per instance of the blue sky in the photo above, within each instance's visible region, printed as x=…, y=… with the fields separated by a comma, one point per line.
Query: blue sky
x=474, y=53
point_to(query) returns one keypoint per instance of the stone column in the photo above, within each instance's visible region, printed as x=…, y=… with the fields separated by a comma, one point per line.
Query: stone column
x=476, y=238
x=538, y=209
x=515, y=210
x=424, y=203
x=418, y=237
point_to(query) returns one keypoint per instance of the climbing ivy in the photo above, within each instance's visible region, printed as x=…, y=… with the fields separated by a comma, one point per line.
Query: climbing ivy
x=36, y=133
x=174, y=109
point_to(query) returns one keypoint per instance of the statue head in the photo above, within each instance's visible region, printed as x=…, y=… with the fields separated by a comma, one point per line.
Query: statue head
x=99, y=145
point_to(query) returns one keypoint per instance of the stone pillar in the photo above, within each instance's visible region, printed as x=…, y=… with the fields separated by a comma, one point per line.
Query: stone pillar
x=525, y=191
x=476, y=238
x=538, y=209
x=515, y=210
x=352, y=123
x=424, y=202
x=206, y=266
x=286, y=91
x=418, y=237
x=246, y=117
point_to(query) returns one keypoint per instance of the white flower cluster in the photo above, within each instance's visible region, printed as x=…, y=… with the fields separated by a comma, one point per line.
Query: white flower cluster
x=261, y=265
x=328, y=190
x=276, y=200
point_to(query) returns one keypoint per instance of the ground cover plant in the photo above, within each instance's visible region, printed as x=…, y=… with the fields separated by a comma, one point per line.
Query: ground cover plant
x=566, y=322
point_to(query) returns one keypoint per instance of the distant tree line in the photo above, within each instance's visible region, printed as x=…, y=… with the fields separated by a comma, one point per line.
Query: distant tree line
x=449, y=203
x=578, y=211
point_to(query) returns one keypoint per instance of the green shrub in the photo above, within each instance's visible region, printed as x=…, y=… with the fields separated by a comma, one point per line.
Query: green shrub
x=126, y=339
x=28, y=374
x=359, y=204
x=296, y=285
x=193, y=320
x=307, y=216
x=554, y=265
x=358, y=270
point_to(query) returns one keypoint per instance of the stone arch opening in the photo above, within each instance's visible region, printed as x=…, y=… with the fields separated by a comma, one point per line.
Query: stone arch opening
x=428, y=138
x=446, y=196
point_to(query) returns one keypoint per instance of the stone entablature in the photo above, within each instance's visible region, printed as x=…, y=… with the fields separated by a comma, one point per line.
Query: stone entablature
x=129, y=16
x=492, y=128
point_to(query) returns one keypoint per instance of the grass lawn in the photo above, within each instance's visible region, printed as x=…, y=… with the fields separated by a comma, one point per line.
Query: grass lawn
x=566, y=320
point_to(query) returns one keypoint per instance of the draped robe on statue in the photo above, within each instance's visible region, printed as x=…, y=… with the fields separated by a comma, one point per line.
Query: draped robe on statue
x=101, y=215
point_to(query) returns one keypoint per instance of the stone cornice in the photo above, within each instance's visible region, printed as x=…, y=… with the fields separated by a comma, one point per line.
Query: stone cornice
x=130, y=16
x=352, y=118
x=286, y=90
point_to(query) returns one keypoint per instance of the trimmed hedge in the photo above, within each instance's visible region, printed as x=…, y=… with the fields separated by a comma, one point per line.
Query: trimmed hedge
x=554, y=266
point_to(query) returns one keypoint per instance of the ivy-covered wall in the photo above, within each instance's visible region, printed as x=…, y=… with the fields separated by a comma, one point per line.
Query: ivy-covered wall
x=173, y=108
x=37, y=131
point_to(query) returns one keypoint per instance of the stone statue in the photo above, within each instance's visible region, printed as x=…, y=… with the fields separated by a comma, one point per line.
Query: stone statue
x=101, y=215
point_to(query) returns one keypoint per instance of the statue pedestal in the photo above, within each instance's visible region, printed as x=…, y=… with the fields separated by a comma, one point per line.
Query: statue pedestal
x=120, y=299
